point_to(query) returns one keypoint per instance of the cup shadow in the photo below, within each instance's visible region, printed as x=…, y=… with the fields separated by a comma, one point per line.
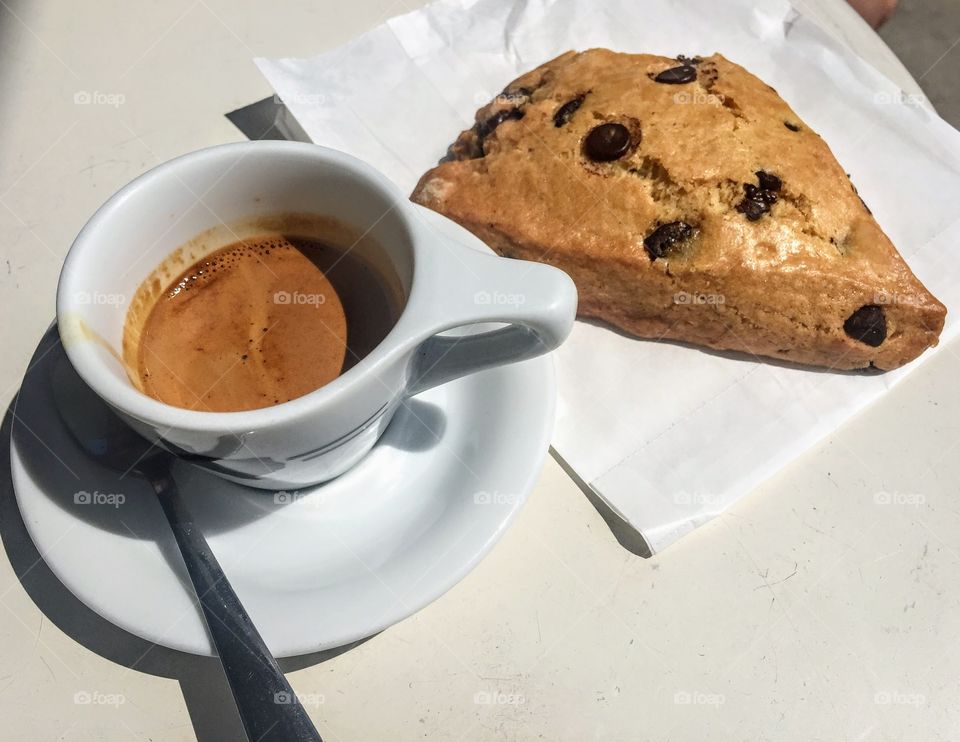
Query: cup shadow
x=54, y=461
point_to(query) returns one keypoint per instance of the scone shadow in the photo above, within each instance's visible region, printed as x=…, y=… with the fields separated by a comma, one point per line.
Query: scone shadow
x=735, y=355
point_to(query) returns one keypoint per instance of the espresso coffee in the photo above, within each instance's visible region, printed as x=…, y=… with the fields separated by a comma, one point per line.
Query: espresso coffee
x=259, y=322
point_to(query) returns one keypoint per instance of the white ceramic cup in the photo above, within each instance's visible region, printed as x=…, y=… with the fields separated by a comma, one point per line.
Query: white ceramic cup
x=321, y=434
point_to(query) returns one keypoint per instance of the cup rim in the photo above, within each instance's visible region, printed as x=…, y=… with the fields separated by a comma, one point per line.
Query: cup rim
x=124, y=396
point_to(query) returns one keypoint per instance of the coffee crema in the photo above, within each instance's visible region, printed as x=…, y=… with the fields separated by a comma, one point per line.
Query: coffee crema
x=259, y=322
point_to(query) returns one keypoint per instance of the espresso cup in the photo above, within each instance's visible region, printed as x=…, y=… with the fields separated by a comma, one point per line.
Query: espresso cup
x=315, y=437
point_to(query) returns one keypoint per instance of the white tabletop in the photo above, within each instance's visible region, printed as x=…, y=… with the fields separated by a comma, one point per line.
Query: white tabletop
x=818, y=608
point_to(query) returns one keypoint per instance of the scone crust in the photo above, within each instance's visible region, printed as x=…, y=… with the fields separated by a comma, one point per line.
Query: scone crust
x=781, y=286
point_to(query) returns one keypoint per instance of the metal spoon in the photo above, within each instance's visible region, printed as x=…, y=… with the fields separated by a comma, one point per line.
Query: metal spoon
x=267, y=704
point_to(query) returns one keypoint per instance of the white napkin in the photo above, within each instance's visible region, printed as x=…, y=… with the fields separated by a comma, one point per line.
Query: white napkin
x=668, y=436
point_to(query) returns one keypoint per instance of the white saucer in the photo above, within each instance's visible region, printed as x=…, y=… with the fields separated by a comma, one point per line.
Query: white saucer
x=315, y=569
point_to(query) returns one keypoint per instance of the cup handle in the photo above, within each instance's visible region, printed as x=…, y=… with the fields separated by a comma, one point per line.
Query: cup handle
x=537, y=301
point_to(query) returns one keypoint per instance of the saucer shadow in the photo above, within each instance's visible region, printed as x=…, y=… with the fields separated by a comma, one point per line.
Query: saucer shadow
x=41, y=443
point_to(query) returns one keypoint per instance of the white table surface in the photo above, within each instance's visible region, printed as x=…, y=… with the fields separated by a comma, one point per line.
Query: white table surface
x=807, y=612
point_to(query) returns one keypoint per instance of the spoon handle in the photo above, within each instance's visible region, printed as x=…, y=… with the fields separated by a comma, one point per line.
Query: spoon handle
x=267, y=704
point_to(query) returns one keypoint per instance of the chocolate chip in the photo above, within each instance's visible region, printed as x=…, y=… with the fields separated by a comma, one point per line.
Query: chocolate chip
x=678, y=75
x=666, y=236
x=753, y=210
x=685, y=60
x=791, y=126
x=607, y=142
x=769, y=181
x=759, y=198
x=868, y=325
x=486, y=128
x=563, y=114
x=762, y=195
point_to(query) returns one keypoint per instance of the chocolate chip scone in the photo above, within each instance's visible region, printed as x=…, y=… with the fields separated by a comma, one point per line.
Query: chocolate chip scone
x=687, y=201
